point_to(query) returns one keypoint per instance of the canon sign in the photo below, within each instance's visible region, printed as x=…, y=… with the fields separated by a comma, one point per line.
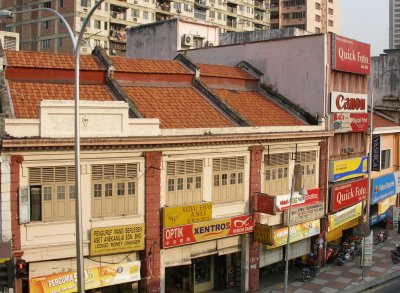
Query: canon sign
x=347, y=102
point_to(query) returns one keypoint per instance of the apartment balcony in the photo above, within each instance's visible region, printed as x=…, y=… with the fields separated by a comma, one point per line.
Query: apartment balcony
x=259, y=5
x=201, y=4
x=259, y=17
x=231, y=9
x=231, y=23
x=119, y=3
x=165, y=7
x=118, y=35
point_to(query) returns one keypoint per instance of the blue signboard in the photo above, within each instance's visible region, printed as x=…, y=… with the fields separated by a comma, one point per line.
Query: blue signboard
x=377, y=218
x=383, y=187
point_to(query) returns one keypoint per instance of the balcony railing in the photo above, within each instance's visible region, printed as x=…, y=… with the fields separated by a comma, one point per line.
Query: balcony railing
x=231, y=9
x=118, y=15
x=231, y=24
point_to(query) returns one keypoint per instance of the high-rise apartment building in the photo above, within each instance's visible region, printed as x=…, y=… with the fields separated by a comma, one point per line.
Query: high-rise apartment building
x=43, y=31
x=394, y=24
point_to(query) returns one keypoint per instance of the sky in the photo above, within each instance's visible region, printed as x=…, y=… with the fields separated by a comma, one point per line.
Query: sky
x=366, y=21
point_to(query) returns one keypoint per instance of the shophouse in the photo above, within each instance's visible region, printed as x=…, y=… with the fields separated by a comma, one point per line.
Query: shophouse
x=166, y=146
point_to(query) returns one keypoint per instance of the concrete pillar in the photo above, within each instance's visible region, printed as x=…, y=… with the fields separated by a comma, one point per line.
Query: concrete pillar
x=323, y=186
x=256, y=158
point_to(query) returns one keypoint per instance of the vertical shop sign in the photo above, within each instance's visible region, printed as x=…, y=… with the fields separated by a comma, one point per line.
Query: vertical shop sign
x=376, y=153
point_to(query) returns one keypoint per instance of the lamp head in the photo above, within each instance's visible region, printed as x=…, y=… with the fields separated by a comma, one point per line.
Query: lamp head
x=6, y=14
x=302, y=191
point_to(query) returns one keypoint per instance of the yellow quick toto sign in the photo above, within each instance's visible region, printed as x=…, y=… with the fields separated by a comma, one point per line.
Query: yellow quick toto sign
x=347, y=169
x=344, y=216
x=182, y=215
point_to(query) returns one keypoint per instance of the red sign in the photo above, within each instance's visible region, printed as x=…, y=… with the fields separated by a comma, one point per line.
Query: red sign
x=349, y=194
x=204, y=231
x=350, y=122
x=350, y=56
x=271, y=204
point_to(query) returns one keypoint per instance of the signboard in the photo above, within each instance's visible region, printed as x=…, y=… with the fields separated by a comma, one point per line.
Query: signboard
x=342, y=217
x=264, y=234
x=94, y=278
x=297, y=232
x=350, y=122
x=376, y=153
x=204, y=231
x=304, y=213
x=116, y=239
x=385, y=186
x=368, y=247
x=348, y=194
x=385, y=204
x=396, y=217
x=350, y=56
x=271, y=204
x=348, y=102
x=182, y=215
x=347, y=169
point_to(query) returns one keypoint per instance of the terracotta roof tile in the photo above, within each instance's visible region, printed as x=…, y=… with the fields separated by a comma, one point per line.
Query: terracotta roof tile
x=258, y=109
x=26, y=96
x=176, y=107
x=49, y=60
x=148, y=66
x=223, y=71
x=379, y=121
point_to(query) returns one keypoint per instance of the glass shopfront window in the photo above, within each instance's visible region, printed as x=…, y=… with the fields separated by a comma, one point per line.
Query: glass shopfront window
x=202, y=269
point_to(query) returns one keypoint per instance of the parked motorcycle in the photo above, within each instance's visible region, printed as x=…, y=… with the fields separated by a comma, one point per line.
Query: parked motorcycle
x=381, y=237
x=331, y=254
x=344, y=257
x=396, y=254
x=308, y=273
x=355, y=249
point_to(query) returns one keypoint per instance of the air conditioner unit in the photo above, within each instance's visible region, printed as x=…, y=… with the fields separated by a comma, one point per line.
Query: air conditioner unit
x=178, y=11
x=113, y=51
x=134, y=19
x=187, y=40
x=344, y=150
x=85, y=50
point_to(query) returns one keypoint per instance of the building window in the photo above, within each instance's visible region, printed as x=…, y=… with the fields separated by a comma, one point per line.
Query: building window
x=45, y=44
x=317, y=6
x=46, y=24
x=145, y=15
x=330, y=22
x=52, y=193
x=105, y=6
x=317, y=30
x=114, y=190
x=135, y=13
x=97, y=24
x=197, y=42
x=330, y=1
x=60, y=42
x=177, y=5
x=61, y=3
x=200, y=14
x=47, y=4
x=212, y=14
x=228, y=176
x=184, y=182
x=84, y=3
x=385, y=159
x=330, y=11
x=105, y=25
x=98, y=7
x=305, y=170
x=276, y=174
x=202, y=267
x=317, y=18
x=97, y=42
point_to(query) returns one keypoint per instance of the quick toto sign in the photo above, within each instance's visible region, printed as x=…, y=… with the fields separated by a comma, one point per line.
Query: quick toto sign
x=350, y=56
x=348, y=194
x=348, y=102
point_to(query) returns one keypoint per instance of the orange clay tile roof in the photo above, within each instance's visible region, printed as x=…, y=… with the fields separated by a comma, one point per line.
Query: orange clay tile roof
x=379, y=121
x=223, y=71
x=258, y=109
x=148, y=66
x=49, y=60
x=176, y=107
x=26, y=96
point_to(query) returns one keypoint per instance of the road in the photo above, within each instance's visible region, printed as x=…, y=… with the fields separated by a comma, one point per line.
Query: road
x=393, y=286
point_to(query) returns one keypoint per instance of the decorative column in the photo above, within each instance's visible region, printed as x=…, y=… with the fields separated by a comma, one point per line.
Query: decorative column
x=256, y=153
x=151, y=259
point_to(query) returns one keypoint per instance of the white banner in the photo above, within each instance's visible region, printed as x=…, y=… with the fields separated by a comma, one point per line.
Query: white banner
x=368, y=247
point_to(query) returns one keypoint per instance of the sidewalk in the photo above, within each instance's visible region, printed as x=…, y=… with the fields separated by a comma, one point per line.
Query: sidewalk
x=346, y=278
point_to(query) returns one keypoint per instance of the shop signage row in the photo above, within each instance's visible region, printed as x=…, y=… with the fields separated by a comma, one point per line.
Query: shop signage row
x=350, y=122
x=347, y=169
x=304, y=213
x=385, y=186
x=98, y=277
x=204, y=231
x=348, y=194
x=297, y=232
x=348, y=102
x=116, y=239
x=272, y=204
x=350, y=56
x=376, y=153
x=182, y=215
x=344, y=216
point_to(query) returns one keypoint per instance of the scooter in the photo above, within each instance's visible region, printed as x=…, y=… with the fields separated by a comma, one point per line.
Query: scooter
x=354, y=249
x=381, y=237
x=308, y=273
x=395, y=253
x=331, y=254
x=344, y=257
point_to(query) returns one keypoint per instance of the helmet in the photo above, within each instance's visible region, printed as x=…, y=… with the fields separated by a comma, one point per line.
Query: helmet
x=311, y=254
x=397, y=245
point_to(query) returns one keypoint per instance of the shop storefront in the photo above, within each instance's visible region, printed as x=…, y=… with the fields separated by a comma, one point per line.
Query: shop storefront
x=339, y=223
x=204, y=255
x=384, y=195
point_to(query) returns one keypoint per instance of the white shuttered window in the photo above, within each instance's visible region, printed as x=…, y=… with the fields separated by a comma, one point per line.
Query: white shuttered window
x=228, y=179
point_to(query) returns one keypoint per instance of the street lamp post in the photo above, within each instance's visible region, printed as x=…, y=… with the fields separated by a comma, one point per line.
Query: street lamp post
x=301, y=192
x=78, y=205
x=371, y=132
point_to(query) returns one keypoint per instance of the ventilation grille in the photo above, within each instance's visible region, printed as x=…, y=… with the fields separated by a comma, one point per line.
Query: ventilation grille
x=227, y=164
x=114, y=171
x=277, y=160
x=184, y=167
x=10, y=43
x=40, y=175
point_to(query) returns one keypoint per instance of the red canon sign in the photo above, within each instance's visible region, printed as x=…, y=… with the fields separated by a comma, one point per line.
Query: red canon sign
x=350, y=56
x=348, y=194
x=348, y=102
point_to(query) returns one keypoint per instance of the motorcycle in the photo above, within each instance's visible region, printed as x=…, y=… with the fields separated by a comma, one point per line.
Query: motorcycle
x=331, y=254
x=381, y=237
x=395, y=255
x=355, y=250
x=344, y=257
x=308, y=273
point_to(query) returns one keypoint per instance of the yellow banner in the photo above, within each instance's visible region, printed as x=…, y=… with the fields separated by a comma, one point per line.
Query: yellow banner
x=264, y=234
x=94, y=278
x=385, y=204
x=182, y=215
x=116, y=239
x=344, y=216
x=297, y=232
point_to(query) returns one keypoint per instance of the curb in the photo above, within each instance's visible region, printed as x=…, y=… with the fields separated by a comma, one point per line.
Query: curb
x=373, y=283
